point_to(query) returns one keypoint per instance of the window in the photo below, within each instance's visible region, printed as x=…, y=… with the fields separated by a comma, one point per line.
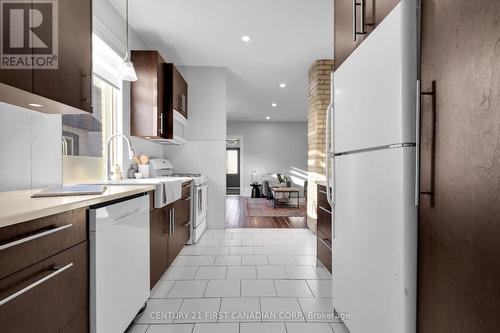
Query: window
x=105, y=97
x=84, y=136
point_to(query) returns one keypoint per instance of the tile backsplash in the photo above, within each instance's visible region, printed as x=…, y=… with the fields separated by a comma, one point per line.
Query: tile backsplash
x=30, y=147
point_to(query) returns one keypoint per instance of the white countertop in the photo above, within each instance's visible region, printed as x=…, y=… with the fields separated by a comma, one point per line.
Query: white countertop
x=18, y=206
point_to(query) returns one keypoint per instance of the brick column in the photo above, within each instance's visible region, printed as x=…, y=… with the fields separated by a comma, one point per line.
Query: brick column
x=319, y=98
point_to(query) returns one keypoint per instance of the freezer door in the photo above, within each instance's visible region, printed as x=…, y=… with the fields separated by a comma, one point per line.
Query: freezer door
x=374, y=250
x=374, y=89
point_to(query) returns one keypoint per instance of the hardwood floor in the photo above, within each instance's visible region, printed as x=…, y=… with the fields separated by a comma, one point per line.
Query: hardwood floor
x=236, y=217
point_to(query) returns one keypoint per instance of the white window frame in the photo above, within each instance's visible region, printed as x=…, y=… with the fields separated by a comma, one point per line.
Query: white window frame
x=106, y=65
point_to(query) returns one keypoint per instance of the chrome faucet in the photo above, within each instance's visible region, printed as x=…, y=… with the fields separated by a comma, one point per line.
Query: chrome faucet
x=131, y=152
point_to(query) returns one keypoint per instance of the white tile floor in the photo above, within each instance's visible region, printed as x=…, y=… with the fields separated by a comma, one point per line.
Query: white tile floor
x=243, y=280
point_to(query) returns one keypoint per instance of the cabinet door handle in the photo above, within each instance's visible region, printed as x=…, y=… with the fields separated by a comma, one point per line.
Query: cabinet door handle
x=355, y=32
x=173, y=219
x=35, y=236
x=417, y=144
x=170, y=222
x=187, y=224
x=329, y=246
x=324, y=209
x=161, y=123
x=36, y=283
x=86, y=88
x=432, y=93
x=188, y=198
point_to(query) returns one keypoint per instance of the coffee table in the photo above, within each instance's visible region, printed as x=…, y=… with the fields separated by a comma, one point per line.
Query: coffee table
x=281, y=191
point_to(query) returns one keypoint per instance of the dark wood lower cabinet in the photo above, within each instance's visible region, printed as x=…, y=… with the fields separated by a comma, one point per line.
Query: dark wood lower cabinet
x=58, y=303
x=180, y=234
x=459, y=215
x=324, y=229
x=169, y=232
x=49, y=235
x=158, y=257
x=324, y=250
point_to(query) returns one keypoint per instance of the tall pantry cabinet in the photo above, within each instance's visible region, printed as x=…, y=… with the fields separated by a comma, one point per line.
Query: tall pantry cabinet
x=459, y=215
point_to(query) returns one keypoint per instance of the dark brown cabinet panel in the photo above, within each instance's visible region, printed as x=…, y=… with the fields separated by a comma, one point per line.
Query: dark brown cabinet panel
x=58, y=301
x=324, y=250
x=169, y=232
x=159, y=90
x=67, y=88
x=324, y=228
x=348, y=36
x=71, y=82
x=18, y=78
x=179, y=236
x=30, y=242
x=325, y=219
x=178, y=91
x=158, y=231
x=148, y=116
x=459, y=229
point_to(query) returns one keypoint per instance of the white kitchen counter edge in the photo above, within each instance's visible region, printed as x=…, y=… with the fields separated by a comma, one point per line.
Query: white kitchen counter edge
x=18, y=206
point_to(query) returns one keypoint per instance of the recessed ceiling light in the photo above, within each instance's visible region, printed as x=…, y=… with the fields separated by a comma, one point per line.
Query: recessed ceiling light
x=274, y=105
x=268, y=117
x=35, y=105
x=245, y=38
x=282, y=85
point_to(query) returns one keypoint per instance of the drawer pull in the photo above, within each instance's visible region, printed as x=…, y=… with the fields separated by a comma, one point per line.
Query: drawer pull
x=36, y=283
x=329, y=246
x=35, y=236
x=324, y=209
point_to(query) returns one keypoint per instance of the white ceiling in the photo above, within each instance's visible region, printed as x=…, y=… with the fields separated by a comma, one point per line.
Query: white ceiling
x=287, y=36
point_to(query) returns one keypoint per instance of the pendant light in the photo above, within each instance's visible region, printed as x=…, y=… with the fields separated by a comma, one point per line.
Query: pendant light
x=128, y=71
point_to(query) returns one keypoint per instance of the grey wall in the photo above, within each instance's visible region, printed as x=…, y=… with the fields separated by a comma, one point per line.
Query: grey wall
x=271, y=147
x=205, y=151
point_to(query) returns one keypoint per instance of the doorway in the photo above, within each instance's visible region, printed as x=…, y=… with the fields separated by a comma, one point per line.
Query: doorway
x=233, y=169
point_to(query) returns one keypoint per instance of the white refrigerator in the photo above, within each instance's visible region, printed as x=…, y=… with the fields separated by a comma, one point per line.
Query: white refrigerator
x=372, y=167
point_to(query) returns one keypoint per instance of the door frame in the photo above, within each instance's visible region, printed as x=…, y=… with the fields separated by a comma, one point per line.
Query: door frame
x=237, y=149
x=243, y=187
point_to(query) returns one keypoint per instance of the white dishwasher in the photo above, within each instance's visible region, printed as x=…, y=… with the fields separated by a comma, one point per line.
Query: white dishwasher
x=119, y=263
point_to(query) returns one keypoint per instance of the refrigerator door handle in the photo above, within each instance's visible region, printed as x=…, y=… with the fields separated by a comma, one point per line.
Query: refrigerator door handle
x=417, y=144
x=329, y=149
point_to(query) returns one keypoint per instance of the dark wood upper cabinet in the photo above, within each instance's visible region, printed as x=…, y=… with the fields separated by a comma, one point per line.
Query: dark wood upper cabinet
x=459, y=214
x=67, y=88
x=177, y=90
x=147, y=103
x=349, y=34
x=71, y=83
x=159, y=91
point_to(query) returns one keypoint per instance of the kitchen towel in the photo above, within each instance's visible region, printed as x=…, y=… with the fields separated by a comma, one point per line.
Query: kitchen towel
x=172, y=190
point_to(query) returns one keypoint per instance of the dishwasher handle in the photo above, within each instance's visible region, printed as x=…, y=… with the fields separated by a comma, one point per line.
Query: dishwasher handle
x=124, y=216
